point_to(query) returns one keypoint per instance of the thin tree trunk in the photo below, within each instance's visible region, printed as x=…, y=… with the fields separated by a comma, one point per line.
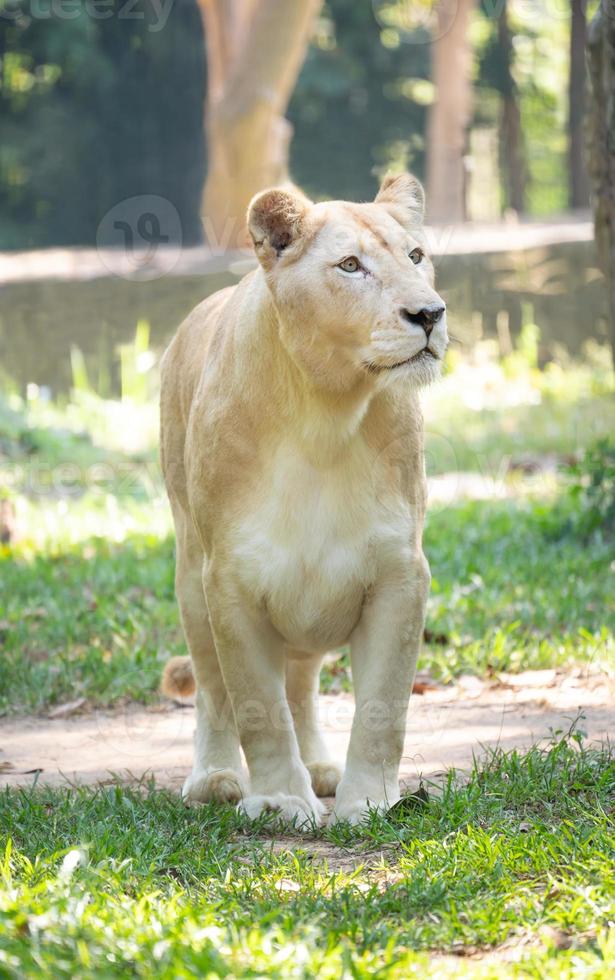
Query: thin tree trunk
x=601, y=117
x=511, y=134
x=450, y=114
x=578, y=178
x=255, y=49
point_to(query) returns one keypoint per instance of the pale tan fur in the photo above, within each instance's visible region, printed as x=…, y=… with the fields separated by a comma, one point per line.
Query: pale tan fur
x=292, y=450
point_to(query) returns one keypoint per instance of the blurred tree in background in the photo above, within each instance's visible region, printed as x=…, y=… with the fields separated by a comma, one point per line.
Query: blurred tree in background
x=255, y=49
x=361, y=102
x=483, y=98
x=499, y=64
x=524, y=85
x=577, y=97
x=602, y=144
x=450, y=116
x=95, y=111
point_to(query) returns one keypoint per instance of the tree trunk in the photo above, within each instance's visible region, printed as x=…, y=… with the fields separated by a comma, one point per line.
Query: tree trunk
x=449, y=117
x=511, y=133
x=578, y=196
x=602, y=145
x=255, y=49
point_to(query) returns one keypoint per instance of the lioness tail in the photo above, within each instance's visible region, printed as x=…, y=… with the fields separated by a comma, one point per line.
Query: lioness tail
x=178, y=678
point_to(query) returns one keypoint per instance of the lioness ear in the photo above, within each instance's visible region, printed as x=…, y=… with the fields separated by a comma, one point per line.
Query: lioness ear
x=404, y=197
x=276, y=219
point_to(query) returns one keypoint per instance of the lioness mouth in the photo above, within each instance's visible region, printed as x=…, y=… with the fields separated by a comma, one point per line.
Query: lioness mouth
x=420, y=356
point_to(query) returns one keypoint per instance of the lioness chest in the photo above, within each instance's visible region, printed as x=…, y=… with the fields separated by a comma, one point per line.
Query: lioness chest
x=311, y=539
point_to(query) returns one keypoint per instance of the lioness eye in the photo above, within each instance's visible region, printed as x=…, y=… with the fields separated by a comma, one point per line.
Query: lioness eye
x=416, y=255
x=350, y=264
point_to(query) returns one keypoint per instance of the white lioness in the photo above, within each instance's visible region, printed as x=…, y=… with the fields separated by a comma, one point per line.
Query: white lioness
x=293, y=455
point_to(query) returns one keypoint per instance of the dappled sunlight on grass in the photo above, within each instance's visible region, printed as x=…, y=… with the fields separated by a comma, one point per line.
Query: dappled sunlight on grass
x=94, y=619
x=505, y=873
x=516, y=857
x=50, y=526
x=116, y=425
x=513, y=588
x=88, y=576
x=486, y=411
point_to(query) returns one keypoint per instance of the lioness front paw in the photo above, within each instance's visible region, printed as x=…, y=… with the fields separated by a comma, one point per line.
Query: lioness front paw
x=219, y=786
x=325, y=776
x=358, y=811
x=304, y=814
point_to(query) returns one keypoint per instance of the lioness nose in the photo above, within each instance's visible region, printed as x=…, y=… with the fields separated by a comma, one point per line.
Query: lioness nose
x=425, y=318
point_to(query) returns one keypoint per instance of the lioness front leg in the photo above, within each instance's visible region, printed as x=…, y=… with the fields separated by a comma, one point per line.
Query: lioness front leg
x=252, y=659
x=384, y=652
x=302, y=677
x=217, y=769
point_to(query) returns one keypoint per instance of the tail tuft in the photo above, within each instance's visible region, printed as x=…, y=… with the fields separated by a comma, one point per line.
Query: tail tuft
x=178, y=678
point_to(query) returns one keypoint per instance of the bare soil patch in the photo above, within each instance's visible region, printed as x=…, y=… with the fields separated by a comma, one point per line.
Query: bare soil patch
x=447, y=727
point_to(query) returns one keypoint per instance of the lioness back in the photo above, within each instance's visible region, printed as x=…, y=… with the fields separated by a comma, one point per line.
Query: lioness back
x=181, y=368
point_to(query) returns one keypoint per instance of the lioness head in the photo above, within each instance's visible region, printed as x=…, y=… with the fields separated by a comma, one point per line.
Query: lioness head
x=353, y=284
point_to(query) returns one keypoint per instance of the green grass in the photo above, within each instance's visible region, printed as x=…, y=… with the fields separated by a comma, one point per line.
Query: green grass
x=97, y=621
x=116, y=882
x=486, y=414
x=86, y=595
x=512, y=590
x=516, y=861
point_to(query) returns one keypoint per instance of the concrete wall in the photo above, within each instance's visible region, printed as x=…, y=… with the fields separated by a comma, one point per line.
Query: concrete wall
x=40, y=318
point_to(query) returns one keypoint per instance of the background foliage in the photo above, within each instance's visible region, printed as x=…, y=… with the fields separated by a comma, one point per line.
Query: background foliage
x=95, y=111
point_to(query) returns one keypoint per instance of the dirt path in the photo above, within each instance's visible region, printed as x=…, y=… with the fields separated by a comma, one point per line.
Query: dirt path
x=445, y=728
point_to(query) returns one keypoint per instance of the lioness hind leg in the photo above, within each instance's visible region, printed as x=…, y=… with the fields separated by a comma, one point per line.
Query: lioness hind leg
x=302, y=677
x=217, y=769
